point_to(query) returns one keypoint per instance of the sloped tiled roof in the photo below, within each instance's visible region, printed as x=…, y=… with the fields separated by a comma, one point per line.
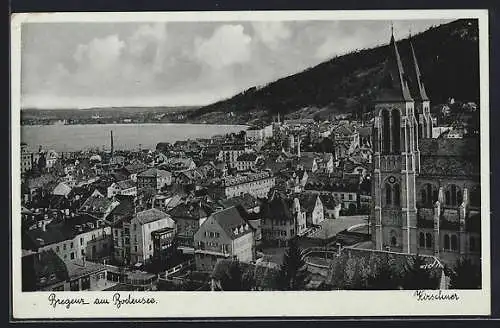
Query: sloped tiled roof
x=126, y=184
x=191, y=210
x=230, y=219
x=47, y=264
x=278, y=206
x=154, y=173
x=150, y=215
x=246, y=200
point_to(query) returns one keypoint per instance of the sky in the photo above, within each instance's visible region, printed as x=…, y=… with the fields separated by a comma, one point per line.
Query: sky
x=81, y=65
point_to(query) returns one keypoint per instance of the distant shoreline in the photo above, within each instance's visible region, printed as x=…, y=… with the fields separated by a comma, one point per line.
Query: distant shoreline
x=132, y=123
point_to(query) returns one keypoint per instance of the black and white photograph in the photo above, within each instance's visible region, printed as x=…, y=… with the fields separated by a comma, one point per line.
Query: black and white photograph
x=246, y=155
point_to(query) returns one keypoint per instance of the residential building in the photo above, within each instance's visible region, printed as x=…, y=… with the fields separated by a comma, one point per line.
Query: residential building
x=27, y=160
x=189, y=216
x=282, y=218
x=77, y=237
x=141, y=227
x=312, y=205
x=124, y=187
x=225, y=234
x=246, y=162
x=256, y=184
x=153, y=180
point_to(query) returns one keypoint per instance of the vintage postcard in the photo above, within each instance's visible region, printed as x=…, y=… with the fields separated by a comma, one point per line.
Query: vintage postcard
x=243, y=164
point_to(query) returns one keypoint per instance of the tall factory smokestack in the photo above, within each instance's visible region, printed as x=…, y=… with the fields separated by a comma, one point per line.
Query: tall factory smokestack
x=112, y=146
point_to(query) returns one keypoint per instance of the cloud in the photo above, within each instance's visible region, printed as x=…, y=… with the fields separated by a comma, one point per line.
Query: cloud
x=100, y=53
x=146, y=44
x=227, y=46
x=272, y=34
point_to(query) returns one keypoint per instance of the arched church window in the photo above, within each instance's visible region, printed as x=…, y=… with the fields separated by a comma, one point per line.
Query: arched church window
x=423, y=196
x=397, y=194
x=454, y=243
x=429, y=194
x=386, y=132
x=421, y=240
x=388, y=194
x=396, y=132
x=453, y=195
x=394, y=239
x=446, y=242
x=428, y=240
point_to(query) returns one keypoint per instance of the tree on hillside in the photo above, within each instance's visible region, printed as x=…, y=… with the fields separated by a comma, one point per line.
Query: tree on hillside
x=293, y=272
x=465, y=275
x=418, y=276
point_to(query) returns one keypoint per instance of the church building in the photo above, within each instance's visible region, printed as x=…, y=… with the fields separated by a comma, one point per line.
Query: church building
x=426, y=192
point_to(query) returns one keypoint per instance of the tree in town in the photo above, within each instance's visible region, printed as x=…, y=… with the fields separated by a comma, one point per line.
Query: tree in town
x=293, y=271
x=234, y=278
x=384, y=277
x=465, y=275
x=418, y=275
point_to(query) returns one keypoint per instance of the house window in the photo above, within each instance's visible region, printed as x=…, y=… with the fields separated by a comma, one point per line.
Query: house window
x=57, y=249
x=64, y=246
x=86, y=283
x=74, y=285
x=71, y=245
x=81, y=241
x=135, y=249
x=72, y=255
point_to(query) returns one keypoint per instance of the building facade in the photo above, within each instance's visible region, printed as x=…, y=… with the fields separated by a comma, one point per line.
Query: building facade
x=425, y=191
x=224, y=235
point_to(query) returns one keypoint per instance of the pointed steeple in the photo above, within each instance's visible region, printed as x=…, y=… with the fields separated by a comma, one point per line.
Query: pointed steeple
x=395, y=85
x=422, y=94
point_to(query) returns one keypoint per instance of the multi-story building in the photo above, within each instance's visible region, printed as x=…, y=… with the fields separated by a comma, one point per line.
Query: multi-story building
x=26, y=158
x=426, y=192
x=153, y=180
x=189, y=216
x=141, y=239
x=229, y=153
x=282, y=218
x=259, y=134
x=256, y=184
x=45, y=271
x=225, y=234
x=72, y=238
x=246, y=162
x=124, y=188
x=163, y=243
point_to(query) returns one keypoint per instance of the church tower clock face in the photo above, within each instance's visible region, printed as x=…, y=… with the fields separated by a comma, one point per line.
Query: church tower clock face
x=392, y=179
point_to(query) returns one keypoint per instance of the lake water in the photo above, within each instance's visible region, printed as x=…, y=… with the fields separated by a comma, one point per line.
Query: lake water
x=126, y=136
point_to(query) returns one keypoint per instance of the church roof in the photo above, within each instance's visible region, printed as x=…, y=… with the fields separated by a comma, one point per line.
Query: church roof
x=449, y=157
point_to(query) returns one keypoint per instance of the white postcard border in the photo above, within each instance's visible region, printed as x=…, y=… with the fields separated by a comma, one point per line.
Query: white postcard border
x=35, y=305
